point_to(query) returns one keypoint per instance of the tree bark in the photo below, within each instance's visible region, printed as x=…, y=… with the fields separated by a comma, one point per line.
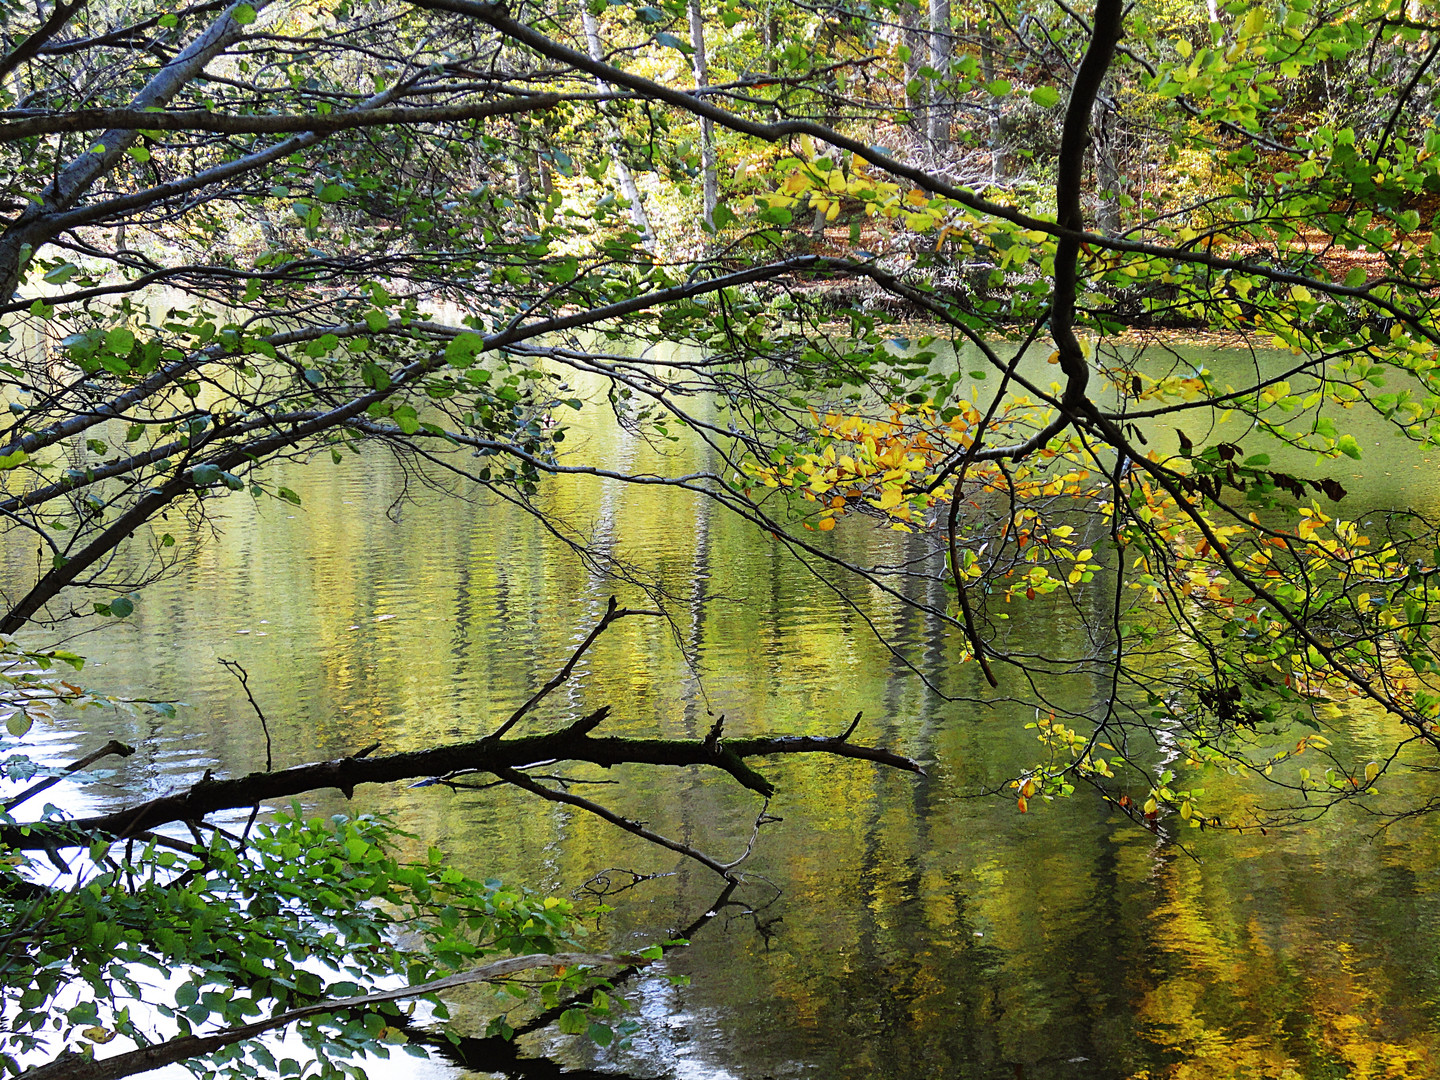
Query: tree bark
x=624, y=177
x=998, y=169
x=709, y=177
x=941, y=47
x=1107, y=170
x=912, y=35
x=573, y=743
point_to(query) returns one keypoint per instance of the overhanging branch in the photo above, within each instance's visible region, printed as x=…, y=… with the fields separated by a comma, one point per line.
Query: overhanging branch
x=487, y=755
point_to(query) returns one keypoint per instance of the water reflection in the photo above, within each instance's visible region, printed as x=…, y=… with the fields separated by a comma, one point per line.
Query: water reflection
x=917, y=932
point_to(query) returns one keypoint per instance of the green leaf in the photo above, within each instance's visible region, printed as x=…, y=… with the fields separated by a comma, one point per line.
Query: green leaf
x=62, y=273
x=121, y=606
x=138, y=153
x=374, y=376
x=670, y=41
x=574, y=1022
x=19, y=724
x=289, y=496
x=1355, y=278
x=462, y=349
x=405, y=419
x=243, y=14
x=205, y=475
x=1348, y=446
x=376, y=320
x=10, y=461
x=1045, y=96
x=999, y=88
x=169, y=19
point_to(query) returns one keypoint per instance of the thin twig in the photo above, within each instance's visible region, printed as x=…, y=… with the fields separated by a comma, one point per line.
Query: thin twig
x=520, y=780
x=111, y=747
x=612, y=612
x=233, y=666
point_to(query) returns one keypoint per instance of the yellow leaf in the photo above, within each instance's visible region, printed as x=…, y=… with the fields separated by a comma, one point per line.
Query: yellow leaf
x=826, y=524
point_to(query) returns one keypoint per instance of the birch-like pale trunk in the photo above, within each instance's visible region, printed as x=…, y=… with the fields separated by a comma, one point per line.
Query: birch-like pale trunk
x=941, y=46
x=623, y=176
x=912, y=35
x=710, y=179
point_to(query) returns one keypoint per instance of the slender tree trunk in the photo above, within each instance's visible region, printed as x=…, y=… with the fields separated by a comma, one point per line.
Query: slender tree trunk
x=1107, y=24
x=998, y=164
x=913, y=37
x=623, y=175
x=525, y=185
x=711, y=181
x=941, y=46
x=771, y=39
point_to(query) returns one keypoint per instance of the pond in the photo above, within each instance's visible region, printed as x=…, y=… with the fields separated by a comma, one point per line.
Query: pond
x=892, y=925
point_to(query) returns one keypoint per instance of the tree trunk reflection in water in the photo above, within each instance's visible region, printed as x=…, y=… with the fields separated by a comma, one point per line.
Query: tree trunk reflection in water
x=920, y=932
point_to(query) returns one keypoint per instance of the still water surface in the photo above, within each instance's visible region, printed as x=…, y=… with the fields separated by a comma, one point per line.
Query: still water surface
x=895, y=926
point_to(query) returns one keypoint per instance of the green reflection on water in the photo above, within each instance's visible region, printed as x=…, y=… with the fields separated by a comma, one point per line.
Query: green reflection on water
x=916, y=932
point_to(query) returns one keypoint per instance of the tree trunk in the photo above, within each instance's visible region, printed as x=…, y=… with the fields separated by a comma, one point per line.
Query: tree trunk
x=998, y=165
x=711, y=182
x=941, y=46
x=525, y=186
x=912, y=36
x=623, y=175
x=1107, y=170
x=772, y=34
